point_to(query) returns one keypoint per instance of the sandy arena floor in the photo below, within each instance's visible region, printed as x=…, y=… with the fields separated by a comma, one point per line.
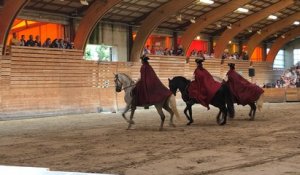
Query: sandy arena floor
x=100, y=143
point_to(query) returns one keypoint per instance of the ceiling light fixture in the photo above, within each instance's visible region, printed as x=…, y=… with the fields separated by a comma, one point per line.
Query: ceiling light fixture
x=84, y=2
x=198, y=37
x=250, y=30
x=259, y=32
x=206, y=1
x=179, y=17
x=296, y=23
x=193, y=20
x=219, y=25
x=241, y=10
x=283, y=36
x=273, y=17
x=229, y=26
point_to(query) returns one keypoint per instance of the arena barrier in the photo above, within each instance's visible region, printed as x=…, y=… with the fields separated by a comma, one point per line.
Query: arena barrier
x=22, y=170
x=39, y=81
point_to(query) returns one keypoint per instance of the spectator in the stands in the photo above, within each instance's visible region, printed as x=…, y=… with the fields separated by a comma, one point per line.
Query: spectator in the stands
x=14, y=41
x=244, y=55
x=38, y=41
x=47, y=43
x=225, y=54
x=171, y=51
x=146, y=50
x=166, y=51
x=180, y=51
x=152, y=50
x=235, y=56
x=54, y=44
x=201, y=55
x=68, y=44
x=22, y=41
x=61, y=44
x=30, y=42
x=193, y=53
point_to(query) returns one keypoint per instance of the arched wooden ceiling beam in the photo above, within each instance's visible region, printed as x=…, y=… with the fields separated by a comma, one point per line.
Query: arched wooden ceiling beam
x=246, y=22
x=93, y=15
x=8, y=14
x=152, y=21
x=280, y=42
x=208, y=18
x=269, y=30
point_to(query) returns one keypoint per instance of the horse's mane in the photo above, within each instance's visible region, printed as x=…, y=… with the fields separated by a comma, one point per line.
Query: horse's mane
x=218, y=79
x=127, y=76
x=182, y=78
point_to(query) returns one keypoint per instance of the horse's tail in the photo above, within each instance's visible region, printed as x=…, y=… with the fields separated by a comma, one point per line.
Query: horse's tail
x=260, y=102
x=229, y=101
x=172, y=101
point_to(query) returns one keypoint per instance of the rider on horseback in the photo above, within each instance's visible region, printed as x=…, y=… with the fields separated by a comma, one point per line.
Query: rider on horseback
x=243, y=91
x=204, y=87
x=149, y=89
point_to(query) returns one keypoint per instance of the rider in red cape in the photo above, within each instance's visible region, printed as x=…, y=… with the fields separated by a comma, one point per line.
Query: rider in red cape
x=149, y=89
x=243, y=91
x=204, y=87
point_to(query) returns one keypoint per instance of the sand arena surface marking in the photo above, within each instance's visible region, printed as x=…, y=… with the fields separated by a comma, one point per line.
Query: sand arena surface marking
x=100, y=143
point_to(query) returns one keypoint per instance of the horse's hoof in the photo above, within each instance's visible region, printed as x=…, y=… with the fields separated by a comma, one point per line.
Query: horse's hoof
x=172, y=124
x=130, y=128
x=132, y=122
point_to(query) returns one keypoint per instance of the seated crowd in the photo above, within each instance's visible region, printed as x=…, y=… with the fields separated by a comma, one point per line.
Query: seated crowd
x=31, y=42
x=155, y=50
x=243, y=56
x=161, y=51
x=290, y=78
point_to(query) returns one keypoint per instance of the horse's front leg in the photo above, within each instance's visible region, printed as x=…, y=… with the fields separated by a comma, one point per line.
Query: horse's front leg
x=191, y=113
x=131, y=122
x=252, y=111
x=186, y=114
x=221, y=120
x=162, y=116
x=167, y=108
x=125, y=111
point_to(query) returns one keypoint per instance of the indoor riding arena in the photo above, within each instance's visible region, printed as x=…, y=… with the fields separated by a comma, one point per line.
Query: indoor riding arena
x=61, y=69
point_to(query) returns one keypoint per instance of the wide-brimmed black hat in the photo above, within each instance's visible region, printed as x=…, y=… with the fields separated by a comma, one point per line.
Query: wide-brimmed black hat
x=199, y=60
x=145, y=58
x=231, y=65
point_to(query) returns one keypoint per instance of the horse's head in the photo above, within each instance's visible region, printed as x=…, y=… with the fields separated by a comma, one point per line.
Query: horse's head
x=118, y=83
x=172, y=86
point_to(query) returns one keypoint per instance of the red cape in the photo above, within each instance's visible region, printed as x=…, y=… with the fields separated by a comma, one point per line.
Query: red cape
x=149, y=90
x=204, y=87
x=243, y=91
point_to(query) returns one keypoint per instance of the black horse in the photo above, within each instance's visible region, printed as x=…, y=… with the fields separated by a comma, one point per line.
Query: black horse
x=221, y=100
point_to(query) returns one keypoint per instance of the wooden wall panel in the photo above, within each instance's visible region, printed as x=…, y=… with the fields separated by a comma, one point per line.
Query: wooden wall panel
x=38, y=81
x=292, y=94
x=274, y=95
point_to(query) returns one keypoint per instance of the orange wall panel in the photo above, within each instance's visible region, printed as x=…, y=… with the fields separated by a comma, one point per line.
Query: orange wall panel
x=257, y=54
x=45, y=31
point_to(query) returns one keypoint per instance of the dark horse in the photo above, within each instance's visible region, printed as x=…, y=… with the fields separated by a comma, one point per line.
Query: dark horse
x=221, y=100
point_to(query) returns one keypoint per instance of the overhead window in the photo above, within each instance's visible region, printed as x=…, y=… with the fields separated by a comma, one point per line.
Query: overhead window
x=98, y=52
x=279, y=60
x=296, y=56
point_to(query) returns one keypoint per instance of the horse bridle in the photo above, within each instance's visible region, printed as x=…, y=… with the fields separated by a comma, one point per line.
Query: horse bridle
x=131, y=83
